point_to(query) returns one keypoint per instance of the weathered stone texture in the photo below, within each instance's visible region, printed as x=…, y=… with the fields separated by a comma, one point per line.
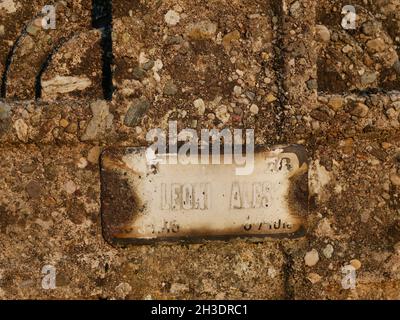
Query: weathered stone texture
x=286, y=68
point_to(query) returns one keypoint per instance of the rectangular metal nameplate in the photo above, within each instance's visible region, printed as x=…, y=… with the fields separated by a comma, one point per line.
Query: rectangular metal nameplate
x=142, y=203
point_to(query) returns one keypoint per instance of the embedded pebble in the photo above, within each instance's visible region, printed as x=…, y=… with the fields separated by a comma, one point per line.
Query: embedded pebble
x=376, y=45
x=64, y=123
x=230, y=37
x=170, y=88
x=347, y=49
x=323, y=33
x=22, y=130
x=368, y=78
x=5, y=110
x=123, y=289
x=148, y=65
x=222, y=113
x=328, y=251
x=70, y=187
x=336, y=103
x=395, y=179
x=311, y=258
x=237, y=90
x=199, y=106
x=138, y=73
x=360, y=110
x=101, y=121
x=65, y=84
x=356, y=264
x=178, y=288
x=295, y=9
x=82, y=163
x=136, y=112
x=94, y=154
x=202, y=30
x=254, y=109
x=172, y=18
x=270, y=98
x=314, y=278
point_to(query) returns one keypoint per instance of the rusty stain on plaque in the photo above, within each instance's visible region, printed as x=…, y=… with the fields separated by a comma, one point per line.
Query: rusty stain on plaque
x=144, y=203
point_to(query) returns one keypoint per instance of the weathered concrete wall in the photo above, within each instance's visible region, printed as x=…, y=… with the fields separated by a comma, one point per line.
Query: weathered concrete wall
x=287, y=69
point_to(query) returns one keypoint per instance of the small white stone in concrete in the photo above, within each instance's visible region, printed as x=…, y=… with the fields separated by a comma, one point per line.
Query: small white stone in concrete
x=82, y=163
x=254, y=109
x=22, y=130
x=318, y=177
x=272, y=272
x=200, y=106
x=328, y=251
x=237, y=90
x=70, y=187
x=222, y=113
x=172, y=18
x=123, y=289
x=65, y=84
x=311, y=258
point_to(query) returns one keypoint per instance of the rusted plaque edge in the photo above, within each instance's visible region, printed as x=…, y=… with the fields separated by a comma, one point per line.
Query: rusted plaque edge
x=133, y=211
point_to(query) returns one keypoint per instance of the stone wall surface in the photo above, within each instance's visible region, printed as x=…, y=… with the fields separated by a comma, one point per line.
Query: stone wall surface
x=110, y=73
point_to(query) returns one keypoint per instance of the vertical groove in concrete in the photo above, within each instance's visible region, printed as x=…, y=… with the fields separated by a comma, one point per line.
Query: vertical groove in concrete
x=102, y=19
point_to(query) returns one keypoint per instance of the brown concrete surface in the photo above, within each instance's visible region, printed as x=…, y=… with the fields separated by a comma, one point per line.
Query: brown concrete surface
x=285, y=68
